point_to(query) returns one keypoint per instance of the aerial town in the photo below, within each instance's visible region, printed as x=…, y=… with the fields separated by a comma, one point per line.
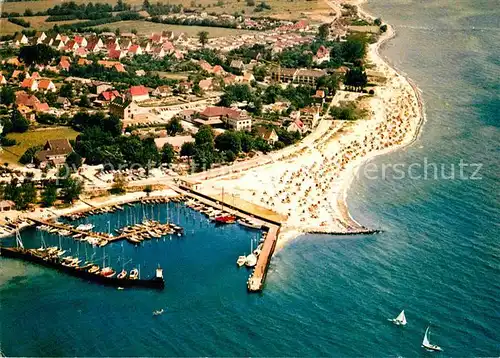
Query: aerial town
x=259, y=127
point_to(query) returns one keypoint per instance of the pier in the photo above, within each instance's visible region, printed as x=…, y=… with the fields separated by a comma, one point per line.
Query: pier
x=271, y=222
x=256, y=281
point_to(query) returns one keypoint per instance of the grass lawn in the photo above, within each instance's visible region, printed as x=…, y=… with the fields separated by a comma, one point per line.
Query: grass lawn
x=280, y=8
x=32, y=138
x=147, y=27
x=172, y=75
x=36, y=22
x=7, y=27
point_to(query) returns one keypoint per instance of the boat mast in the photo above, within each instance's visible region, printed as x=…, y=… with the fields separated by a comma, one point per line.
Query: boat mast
x=19, y=242
x=222, y=200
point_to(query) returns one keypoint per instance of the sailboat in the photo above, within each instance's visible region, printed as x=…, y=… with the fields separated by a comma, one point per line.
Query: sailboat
x=400, y=320
x=427, y=345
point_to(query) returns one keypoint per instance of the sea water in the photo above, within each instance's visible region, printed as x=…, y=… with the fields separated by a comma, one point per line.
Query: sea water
x=438, y=256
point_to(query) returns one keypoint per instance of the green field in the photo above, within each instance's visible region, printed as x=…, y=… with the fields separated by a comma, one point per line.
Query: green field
x=32, y=138
x=280, y=8
x=147, y=27
x=7, y=27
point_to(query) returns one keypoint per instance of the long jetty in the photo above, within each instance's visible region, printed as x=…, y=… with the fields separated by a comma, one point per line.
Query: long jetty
x=102, y=236
x=271, y=223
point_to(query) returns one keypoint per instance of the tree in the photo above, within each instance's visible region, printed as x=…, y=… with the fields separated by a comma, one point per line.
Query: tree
x=187, y=149
x=203, y=38
x=148, y=189
x=117, y=31
x=146, y=5
x=66, y=90
x=167, y=153
x=84, y=101
x=228, y=141
x=174, y=126
x=356, y=78
x=378, y=21
x=37, y=54
x=354, y=48
x=71, y=189
x=74, y=161
x=7, y=95
x=49, y=195
x=250, y=2
x=30, y=154
x=134, y=31
x=383, y=28
x=323, y=31
x=330, y=82
x=204, y=156
x=119, y=184
x=205, y=135
x=19, y=123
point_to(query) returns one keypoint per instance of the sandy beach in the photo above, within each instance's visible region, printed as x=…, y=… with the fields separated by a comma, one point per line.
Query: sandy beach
x=309, y=184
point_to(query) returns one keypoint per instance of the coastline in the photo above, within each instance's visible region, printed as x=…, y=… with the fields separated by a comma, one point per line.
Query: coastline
x=384, y=39
x=332, y=216
x=411, y=99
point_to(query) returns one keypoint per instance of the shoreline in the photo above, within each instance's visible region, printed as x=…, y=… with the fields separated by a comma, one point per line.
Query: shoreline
x=332, y=216
x=383, y=40
x=353, y=168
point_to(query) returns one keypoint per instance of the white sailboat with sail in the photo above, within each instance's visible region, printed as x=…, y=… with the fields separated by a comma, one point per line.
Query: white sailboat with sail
x=427, y=344
x=400, y=320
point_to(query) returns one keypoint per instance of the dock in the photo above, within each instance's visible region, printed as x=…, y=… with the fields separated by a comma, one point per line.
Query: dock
x=102, y=236
x=257, y=278
x=271, y=222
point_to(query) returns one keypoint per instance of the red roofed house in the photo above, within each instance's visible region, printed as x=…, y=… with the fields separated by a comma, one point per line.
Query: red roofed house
x=64, y=65
x=81, y=41
x=81, y=51
x=41, y=107
x=119, y=67
x=109, y=95
x=322, y=55
x=206, y=84
x=218, y=70
x=24, y=99
x=296, y=126
x=2, y=79
x=30, y=84
x=84, y=62
x=116, y=54
x=137, y=93
x=71, y=46
x=46, y=85
x=35, y=75
x=134, y=50
x=205, y=66
x=159, y=52
x=94, y=45
x=156, y=38
x=236, y=119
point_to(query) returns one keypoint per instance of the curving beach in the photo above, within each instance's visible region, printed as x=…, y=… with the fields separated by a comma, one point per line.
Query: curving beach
x=309, y=182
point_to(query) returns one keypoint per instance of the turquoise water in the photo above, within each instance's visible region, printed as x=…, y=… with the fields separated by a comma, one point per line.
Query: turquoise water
x=438, y=257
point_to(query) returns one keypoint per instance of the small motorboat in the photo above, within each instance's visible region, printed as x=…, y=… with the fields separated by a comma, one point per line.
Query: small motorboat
x=107, y=272
x=122, y=274
x=94, y=269
x=251, y=260
x=158, y=312
x=241, y=260
x=225, y=219
x=134, y=274
x=427, y=344
x=400, y=320
x=249, y=224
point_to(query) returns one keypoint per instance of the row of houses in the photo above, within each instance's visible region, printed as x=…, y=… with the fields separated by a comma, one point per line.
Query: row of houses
x=114, y=47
